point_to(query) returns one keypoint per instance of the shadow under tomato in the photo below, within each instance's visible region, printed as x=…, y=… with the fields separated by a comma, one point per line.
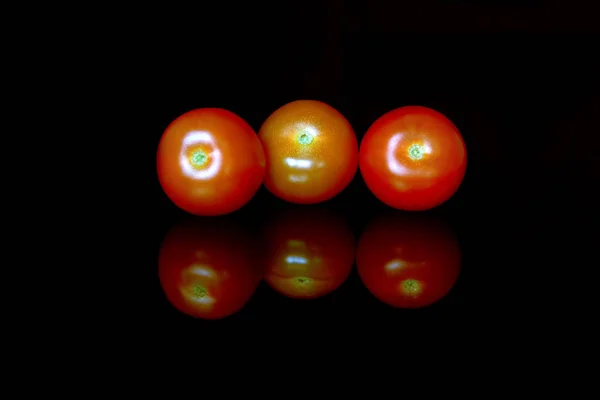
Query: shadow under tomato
x=309, y=252
x=408, y=260
x=208, y=267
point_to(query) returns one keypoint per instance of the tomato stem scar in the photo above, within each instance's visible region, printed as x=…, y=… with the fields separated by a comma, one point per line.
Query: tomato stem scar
x=199, y=291
x=303, y=281
x=416, y=151
x=199, y=158
x=411, y=287
x=305, y=138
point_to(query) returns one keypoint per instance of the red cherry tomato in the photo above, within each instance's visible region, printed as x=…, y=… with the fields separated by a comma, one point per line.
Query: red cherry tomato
x=413, y=158
x=408, y=262
x=309, y=253
x=208, y=271
x=311, y=151
x=210, y=162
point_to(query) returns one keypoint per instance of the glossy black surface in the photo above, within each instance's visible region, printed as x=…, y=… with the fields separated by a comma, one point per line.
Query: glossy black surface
x=511, y=244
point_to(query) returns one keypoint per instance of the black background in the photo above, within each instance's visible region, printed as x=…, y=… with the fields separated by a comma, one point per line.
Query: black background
x=520, y=88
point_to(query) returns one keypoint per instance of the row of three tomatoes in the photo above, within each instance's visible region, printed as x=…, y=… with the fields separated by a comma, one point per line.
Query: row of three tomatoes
x=211, y=162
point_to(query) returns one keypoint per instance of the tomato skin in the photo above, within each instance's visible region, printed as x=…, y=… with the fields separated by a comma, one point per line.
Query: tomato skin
x=309, y=253
x=413, y=158
x=210, y=162
x=208, y=270
x=311, y=152
x=408, y=261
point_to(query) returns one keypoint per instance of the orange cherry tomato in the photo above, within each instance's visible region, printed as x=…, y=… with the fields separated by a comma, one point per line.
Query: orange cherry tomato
x=208, y=270
x=408, y=262
x=311, y=151
x=210, y=162
x=309, y=253
x=413, y=158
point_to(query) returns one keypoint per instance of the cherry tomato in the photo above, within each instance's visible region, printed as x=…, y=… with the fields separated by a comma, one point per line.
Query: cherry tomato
x=210, y=162
x=413, y=158
x=208, y=271
x=408, y=262
x=311, y=151
x=309, y=253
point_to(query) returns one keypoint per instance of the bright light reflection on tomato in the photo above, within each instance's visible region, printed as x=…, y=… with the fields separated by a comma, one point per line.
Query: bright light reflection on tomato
x=408, y=261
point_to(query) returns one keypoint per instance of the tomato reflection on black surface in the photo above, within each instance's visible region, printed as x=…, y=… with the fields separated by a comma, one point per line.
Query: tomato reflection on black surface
x=408, y=261
x=208, y=267
x=309, y=252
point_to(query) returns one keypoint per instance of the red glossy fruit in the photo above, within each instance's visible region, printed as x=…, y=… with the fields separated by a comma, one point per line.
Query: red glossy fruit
x=311, y=152
x=309, y=253
x=408, y=262
x=210, y=162
x=210, y=269
x=413, y=158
